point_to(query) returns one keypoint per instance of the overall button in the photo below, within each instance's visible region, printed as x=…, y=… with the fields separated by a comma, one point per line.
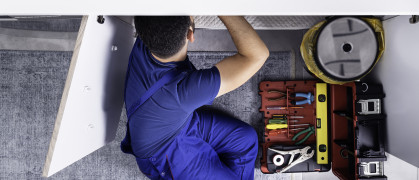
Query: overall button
x=163, y=173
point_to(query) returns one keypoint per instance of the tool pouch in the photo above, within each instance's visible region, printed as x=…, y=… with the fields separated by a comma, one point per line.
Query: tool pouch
x=285, y=139
x=355, y=128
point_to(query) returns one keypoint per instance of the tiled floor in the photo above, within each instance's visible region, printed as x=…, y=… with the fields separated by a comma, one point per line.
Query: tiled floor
x=55, y=34
x=37, y=40
x=395, y=168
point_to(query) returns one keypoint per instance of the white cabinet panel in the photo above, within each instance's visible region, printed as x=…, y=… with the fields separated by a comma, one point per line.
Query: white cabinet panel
x=93, y=95
x=398, y=71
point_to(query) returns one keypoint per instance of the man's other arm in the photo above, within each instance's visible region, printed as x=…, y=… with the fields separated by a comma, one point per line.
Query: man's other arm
x=252, y=54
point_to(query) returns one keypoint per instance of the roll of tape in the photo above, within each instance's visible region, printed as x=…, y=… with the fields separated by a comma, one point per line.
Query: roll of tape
x=278, y=160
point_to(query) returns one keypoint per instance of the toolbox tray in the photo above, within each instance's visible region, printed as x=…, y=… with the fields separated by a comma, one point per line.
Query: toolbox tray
x=283, y=140
x=362, y=134
x=351, y=131
x=307, y=166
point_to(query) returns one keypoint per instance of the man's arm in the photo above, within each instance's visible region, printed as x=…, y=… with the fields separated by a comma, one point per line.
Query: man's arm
x=252, y=54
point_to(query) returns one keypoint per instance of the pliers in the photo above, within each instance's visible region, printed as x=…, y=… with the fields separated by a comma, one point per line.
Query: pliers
x=309, y=131
x=309, y=98
x=283, y=95
x=303, y=152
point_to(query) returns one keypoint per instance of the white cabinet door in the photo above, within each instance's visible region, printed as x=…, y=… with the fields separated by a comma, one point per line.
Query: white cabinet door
x=92, y=100
x=398, y=71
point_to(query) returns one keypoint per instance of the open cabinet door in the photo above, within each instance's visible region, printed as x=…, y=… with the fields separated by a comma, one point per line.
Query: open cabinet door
x=398, y=71
x=92, y=100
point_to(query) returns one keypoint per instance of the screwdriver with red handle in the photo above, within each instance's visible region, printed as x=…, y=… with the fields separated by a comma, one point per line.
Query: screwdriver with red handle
x=276, y=132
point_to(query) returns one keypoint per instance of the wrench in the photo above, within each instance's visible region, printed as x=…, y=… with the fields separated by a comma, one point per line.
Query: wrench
x=303, y=156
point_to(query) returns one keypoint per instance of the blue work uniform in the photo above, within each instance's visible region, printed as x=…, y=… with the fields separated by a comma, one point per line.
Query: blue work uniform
x=170, y=138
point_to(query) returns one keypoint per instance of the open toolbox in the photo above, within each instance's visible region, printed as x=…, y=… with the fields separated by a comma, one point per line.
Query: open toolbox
x=314, y=127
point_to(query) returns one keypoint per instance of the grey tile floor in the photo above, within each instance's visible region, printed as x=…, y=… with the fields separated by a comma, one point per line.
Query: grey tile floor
x=57, y=39
x=42, y=34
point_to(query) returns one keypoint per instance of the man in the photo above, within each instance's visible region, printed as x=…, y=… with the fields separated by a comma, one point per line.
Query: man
x=168, y=136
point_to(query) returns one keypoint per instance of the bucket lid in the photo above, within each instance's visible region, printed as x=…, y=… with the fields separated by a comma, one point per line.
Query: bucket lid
x=346, y=48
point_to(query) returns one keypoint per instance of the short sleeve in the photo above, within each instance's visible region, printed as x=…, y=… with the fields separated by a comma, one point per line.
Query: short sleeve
x=198, y=88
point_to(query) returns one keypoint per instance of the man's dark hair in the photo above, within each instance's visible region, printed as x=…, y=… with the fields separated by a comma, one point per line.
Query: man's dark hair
x=163, y=35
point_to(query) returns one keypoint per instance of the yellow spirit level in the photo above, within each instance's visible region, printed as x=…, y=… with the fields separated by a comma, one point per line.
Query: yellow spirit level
x=321, y=124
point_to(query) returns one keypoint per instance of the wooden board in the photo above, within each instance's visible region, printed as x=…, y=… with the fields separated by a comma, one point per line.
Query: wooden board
x=92, y=100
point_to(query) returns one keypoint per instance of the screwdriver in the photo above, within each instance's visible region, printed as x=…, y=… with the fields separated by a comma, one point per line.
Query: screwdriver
x=281, y=107
x=283, y=126
x=275, y=132
x=283, y=116
x=280, y=121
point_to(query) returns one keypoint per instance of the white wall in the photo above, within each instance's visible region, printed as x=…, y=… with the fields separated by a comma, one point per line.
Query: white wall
x=398, y=71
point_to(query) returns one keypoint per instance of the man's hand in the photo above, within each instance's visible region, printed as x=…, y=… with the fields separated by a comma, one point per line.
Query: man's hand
x=252, y=54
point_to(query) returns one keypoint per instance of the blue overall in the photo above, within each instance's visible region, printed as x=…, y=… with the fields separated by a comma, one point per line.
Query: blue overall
x=168, y=136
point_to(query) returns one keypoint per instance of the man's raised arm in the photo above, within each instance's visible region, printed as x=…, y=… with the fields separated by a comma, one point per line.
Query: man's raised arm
x=252, y=54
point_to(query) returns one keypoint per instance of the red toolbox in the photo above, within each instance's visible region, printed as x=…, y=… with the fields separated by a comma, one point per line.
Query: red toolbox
x=351, y=128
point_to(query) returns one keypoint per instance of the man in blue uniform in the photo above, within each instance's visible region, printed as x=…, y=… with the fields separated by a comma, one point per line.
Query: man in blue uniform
x=168, y=136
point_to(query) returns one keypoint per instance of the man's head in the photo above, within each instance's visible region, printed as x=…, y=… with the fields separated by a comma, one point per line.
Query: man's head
x=164, y=35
